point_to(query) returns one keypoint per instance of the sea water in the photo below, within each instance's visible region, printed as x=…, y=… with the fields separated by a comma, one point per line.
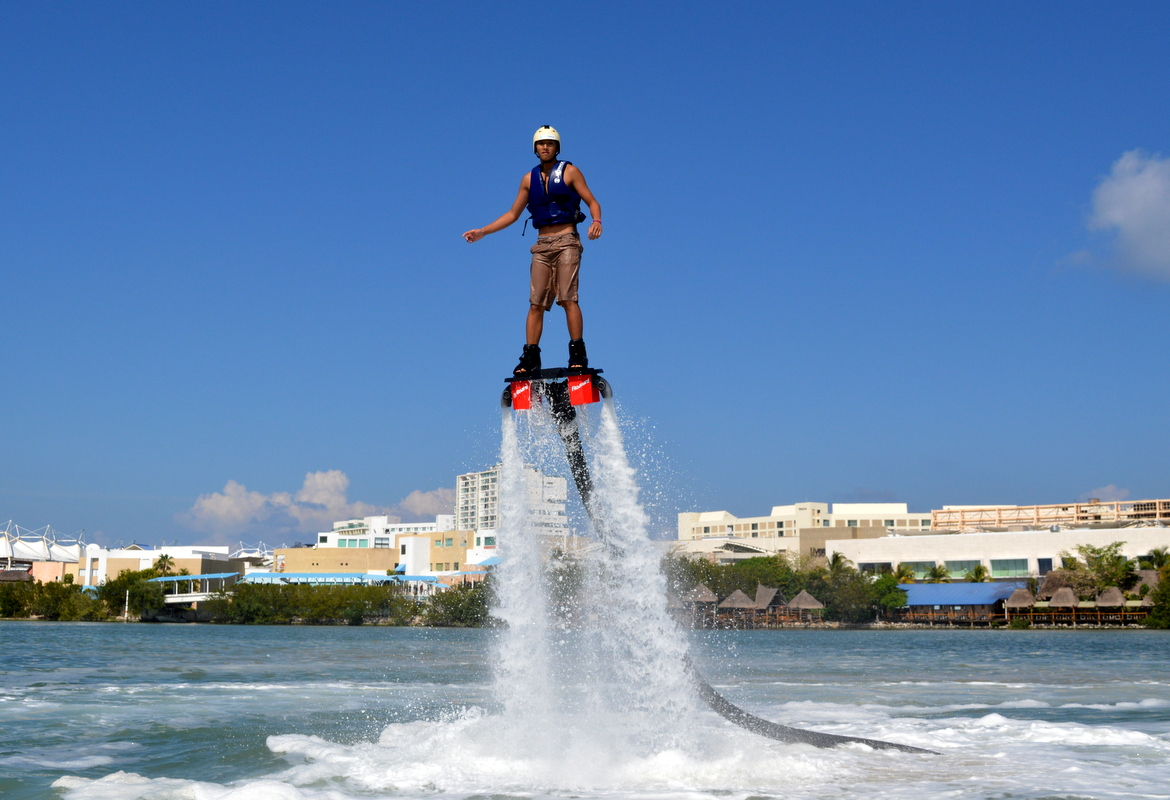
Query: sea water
x=107, y=710
x=586, y=701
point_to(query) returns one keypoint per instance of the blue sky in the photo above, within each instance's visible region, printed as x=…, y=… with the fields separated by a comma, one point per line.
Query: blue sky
x=852, y=251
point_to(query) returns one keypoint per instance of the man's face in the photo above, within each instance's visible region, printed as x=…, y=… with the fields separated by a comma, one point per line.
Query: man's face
x=546, y=149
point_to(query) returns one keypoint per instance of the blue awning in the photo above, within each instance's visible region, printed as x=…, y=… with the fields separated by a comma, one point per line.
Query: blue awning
x=212, y=576
x=958, y=594
x=317, y=578
x=490, y=561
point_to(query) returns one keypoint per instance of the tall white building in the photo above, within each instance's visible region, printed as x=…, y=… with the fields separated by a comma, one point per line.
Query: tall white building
x=477, y=501
x=379, y=532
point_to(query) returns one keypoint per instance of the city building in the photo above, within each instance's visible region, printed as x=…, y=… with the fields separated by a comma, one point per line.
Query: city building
x=98, y=564
x=800, y=529
x=1092, y=512
x=43, y=554
x=379, y=532
x=477, y=501
x=1007, y=554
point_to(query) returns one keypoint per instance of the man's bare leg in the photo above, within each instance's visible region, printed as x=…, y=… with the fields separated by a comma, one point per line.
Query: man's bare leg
x=573, y=318
x=534, y=325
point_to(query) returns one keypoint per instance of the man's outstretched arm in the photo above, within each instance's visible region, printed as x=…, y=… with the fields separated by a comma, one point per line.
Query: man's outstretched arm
x=576, y=182
x=507, y=219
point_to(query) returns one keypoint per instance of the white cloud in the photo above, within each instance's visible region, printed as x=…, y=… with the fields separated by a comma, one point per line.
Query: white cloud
x=240, y=513
x=1134, y=202
x=418, y=504
x=1108, y=493
x=321, y=501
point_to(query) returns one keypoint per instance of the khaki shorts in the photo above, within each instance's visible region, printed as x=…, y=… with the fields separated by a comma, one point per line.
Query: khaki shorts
x=556, y=260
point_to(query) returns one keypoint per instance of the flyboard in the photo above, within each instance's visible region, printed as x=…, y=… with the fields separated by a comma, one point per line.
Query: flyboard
x=564, y=390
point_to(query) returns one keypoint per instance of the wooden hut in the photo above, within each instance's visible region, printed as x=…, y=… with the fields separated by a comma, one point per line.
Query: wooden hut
x=700, y=594
x=1111, y=598
x=1020, y=603
x=701, y=601
x=738, y=600
x=771, y=602
x=1064, y=598
x=738, y=610
x=808, y=606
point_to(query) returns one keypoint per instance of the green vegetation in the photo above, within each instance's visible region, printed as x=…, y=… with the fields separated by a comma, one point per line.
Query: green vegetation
x=848, y=595
x=268, y=604
x=460, y=606
x=1160, y=614
x=1019, y=624
x=1096, y=569
x=978, y=574
x=67, y=601
x=1156, y=559
x=938, y=574
x=53, y=600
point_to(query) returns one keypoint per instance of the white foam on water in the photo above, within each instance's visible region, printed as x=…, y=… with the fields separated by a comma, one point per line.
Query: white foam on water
x=596, y=704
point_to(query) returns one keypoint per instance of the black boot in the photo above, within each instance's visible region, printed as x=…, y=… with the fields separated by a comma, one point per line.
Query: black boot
x=577, y=357
x=529, y=361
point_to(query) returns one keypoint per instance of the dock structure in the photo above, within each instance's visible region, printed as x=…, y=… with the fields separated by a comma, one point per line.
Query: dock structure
x=198, y=587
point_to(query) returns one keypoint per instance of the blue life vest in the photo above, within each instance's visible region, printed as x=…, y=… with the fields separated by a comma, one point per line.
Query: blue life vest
x=559, y=204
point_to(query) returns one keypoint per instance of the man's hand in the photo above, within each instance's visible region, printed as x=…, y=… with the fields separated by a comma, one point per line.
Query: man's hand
x=594, y=229
x=477, y=234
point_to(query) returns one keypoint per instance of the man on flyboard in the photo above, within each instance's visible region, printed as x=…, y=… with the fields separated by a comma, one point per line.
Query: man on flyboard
x=552, y=192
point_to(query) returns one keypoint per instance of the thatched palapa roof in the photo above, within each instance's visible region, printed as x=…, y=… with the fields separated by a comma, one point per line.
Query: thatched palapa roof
x=15, y=575
x=1111, y=598
x=700, y=594
x=1064, y=598
x=767, y=597
x=738, y=599
x=805, y=602
x=1021, y=598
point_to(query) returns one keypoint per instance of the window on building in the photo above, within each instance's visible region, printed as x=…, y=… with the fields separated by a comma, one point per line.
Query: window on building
x=323, y=539
x=707, y=529
x=438, y=542
x=455, y=565
x=960, y=568
x=381, y=543
x=403, y=549
x=755, y=526
x=925, y=523
x=889, y=523
x=489, y=541
x=851, y=523
x=343, y=542
x=363, y=543
x=477, y=541
x=755, y=534
x=921, y=568
x=1044, y=566
x=825, y=523
x=1009, y=567
x=448, y=543
x=876, y=567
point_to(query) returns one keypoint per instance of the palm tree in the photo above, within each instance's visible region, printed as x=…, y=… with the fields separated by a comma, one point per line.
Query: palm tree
x=838, y=563
x=938, y=574
x=1158, y=558
x=978, y=574
x=904, y=573
x=164, y=564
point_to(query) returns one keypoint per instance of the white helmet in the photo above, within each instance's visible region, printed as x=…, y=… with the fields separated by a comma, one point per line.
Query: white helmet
x=545, y=133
